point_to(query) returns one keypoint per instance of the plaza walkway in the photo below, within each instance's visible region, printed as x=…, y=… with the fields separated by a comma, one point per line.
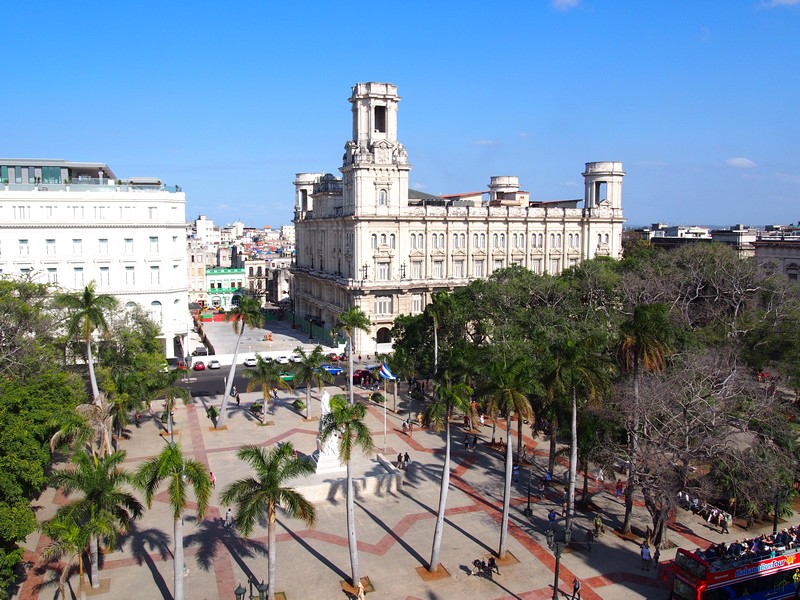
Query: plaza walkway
x=394, y=530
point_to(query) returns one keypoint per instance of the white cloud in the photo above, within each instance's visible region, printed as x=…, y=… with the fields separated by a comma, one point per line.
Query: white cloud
x=740, y=163
x=564, y=5
x=485, y=143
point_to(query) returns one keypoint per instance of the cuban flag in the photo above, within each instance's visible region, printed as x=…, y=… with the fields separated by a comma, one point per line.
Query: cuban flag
x=386, y=373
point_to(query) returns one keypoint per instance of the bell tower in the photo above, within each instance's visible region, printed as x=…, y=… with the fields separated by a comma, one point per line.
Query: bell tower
x=375, y=165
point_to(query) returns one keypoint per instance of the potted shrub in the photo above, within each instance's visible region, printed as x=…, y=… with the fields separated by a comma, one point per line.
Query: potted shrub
x=377, y=398
x=255, y=409
x=299, y=405
x=212, y=413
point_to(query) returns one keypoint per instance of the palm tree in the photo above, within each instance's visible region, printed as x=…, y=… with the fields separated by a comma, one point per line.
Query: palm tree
x=247, y=314
x=346, y=421
x=266, y=375
x=68, y=540
x=576, y=365
x=347, y=323
x=448, y=396
x=105, y=508
x=309, y=371
x=508, y=386
x=254, y=496
x=644, y=344
x=87, y=314
x=180, y=473
x=166, y=388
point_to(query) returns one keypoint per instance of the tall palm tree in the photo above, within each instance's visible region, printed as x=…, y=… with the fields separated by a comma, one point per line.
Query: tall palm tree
x=645, y=342
x=164, y=387
x=180, y=473
x=449, y=396
x=68, y=540
x=254, y=496
x=247, y=314
x=86, y=313
x=576, y=365
x=309, y=371
x=347, y=323
x=346, y=421
x=507, y=395
x=105, y=508
x=266, y=375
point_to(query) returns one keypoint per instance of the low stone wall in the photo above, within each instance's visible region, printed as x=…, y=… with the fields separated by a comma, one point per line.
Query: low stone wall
x=383, y=477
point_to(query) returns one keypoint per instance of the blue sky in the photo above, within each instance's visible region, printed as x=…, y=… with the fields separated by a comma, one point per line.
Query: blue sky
x=698, y=98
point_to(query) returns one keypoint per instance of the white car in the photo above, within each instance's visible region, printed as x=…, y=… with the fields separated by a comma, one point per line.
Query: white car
x=249, y=362
x=214, y=364
x=282, y=360
x=295, y=358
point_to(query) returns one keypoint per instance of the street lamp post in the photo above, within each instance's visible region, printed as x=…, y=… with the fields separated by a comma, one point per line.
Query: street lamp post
x=528, y=511
x=557, y=543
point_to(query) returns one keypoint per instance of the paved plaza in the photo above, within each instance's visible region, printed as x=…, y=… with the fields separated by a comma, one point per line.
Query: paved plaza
x=394, y=529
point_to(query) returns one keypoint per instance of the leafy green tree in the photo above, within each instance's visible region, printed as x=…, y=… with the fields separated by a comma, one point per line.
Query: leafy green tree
x=181, y=475
x=264, y=493
x=506, y=396
x=308, y=370
x=348, y=323
x=86, y=313
x=346, y=421
x=68, y=542
x=266, y=375
x=105, y=508
x=644, y=343
x=576, y=366
x=247, y=314
x=449, y=396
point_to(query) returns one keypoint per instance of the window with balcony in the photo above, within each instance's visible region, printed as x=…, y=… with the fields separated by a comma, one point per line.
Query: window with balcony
x=416, y=269
x=458, y=269
x=416, y=303
x=498, y=264
x=479, y=268
x=383, y=271
x=438, y=271
x=555, y=266
x=383, y=305
x=536, y=266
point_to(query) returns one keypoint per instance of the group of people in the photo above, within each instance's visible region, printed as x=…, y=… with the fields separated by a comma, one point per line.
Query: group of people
x=711, y=514
x=482, y=567
x=762, y=546
x=403, y=460
x=470, y=444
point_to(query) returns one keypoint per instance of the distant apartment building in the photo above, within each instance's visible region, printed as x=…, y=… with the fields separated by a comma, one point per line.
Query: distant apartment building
x=779, y=247
x=225, y=287
x=365, y=239
x=69, y=223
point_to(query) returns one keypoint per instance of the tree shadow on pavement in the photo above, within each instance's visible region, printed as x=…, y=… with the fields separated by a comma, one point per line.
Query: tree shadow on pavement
x=213, y=537
x=321, y=558
x=396, y=537
x=143, y=543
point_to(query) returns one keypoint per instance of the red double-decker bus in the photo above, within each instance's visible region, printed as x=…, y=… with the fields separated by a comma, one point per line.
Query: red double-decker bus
x=756, y=577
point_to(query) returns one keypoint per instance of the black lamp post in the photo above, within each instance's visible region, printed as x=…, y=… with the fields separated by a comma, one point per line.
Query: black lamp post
x=239, y=592
x=364, y=272
x=557, y=541
x=403, y=271
x=528, y=511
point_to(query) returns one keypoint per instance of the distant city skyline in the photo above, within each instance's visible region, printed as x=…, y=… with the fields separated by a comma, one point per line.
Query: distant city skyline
x=697, y=99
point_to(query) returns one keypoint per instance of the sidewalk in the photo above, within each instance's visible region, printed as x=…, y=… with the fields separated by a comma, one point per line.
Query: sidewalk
x=394, y=530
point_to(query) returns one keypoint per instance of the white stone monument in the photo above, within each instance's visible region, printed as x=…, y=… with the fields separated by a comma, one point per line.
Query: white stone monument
x=327, y=453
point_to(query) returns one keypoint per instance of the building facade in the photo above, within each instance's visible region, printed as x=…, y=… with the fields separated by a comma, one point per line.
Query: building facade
x=69, y=223
x=225, y=287
x=365, y=239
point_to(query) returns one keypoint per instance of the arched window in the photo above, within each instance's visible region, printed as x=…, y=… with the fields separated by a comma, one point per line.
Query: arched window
x=392, y=241
x=502, y=240
x=463, y=240
x=494, y=240
x=577, y=240
x=156, y=311
x=606, y=238
x=373, y=241
x=434, y=241
x=552, y=240
x=413, y=241
x=569, y=240
x=455, y=240
x=483, y=240
x=383, y=198
x=474, y=240
x=558, y=241
x=383, y=239
x=599, y=238
x=541, y=240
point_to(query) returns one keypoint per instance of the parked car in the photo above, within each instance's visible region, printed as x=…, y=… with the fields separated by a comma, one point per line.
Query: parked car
x=287, y=377
x=295, y=358
x=332, y=370
x=282, y=360
x=334, y=357
x=182, y=366
x=214, y=364
x=199, y=366
x=249, y=362
x=361, y=376
x=200, y=351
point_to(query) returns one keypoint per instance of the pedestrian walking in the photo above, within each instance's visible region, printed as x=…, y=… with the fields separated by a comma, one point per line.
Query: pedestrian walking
x=551, y=518
x=576, y=589
x=400, y=460
x=515, y=473
x=405, y=426
x=466, y=441
x=541, y=488
x=618, y=489
x=474, y=442
x=646, y=557
x=598, y=525
x=723, y=524
x=406, y=461
x=411, y=429
x=213, y=479
x=228, y=518
x=493, y=566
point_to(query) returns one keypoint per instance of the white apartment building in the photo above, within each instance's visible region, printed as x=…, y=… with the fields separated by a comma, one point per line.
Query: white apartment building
x=70, y=223
x=367, y=240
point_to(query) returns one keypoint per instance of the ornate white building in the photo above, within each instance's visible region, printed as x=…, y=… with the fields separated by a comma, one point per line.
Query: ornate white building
x=70, y=223
x=366, y=240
